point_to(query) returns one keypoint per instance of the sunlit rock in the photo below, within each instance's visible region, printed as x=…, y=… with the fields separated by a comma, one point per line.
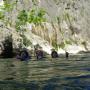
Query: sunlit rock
x=67, y=25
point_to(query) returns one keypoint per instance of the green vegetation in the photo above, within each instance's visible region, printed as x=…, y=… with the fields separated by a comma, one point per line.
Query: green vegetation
x=22, y=19
x=5, y=12
x=8, y=7
x=1, y=15
x=54, y=44
x=35, y=16
x=62, y=45
x=68, y=42
x=22, y=16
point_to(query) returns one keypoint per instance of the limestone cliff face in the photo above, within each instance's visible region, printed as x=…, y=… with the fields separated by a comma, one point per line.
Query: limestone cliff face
x=73, y=17
x=8, y=31
x=68, y=21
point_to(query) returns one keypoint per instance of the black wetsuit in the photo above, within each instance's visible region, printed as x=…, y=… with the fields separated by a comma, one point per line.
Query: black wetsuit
x=54, y=54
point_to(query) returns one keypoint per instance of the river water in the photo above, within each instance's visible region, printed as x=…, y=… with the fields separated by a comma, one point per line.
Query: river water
x=47, y=74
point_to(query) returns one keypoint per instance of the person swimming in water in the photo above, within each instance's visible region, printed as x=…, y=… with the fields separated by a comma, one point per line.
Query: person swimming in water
x=39, y=53
x=23, y=55
x=66, y=54
x=54, y=54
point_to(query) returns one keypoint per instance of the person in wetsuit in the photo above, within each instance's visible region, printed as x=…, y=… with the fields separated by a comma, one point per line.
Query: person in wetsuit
x=54, y=54
x=39, y=53
x=23, y=55
x=66, y=54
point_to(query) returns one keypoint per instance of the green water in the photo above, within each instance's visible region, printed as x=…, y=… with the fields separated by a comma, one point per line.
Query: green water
x=47, y=74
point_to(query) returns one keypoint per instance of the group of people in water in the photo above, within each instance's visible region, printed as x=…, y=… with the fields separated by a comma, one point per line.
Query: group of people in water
x=38, y=53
